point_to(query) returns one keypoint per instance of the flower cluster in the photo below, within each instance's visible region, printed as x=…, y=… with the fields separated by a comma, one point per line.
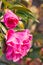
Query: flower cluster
x=18, y=42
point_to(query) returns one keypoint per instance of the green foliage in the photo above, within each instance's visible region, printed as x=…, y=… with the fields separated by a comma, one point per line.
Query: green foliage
x=21, y=10
x=1, y=36
x=38, y=36
x=0, y=14
x=0, y=52
x=25, y=15
x=34, y=54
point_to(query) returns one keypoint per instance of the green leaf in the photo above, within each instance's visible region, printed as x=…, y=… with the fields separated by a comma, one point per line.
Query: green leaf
x=22, y=14
x=22, y=8
x=3, y=28
x=1, y=36
x=34, y=53
x=0, y=52
x=37, y=36
x=0, y=14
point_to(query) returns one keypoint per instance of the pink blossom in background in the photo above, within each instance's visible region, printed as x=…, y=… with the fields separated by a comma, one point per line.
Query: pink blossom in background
x=18, y=44
x=10, y=19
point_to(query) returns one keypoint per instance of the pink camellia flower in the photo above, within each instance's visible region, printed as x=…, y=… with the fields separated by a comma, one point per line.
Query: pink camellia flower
x=10, y=19
x=18, y=44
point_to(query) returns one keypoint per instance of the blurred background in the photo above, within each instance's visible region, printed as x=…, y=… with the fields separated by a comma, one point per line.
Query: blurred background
x=35, y=56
